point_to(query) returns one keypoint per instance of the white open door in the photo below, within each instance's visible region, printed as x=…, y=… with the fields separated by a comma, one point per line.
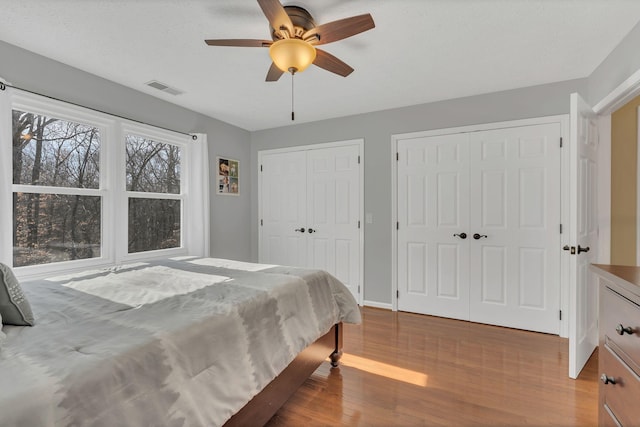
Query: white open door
x=583, y=234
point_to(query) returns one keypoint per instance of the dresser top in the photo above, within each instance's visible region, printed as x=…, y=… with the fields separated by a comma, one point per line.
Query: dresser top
x=628, y=273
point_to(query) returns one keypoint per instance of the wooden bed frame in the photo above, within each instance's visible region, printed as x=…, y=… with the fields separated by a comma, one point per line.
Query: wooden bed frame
x=266, y=403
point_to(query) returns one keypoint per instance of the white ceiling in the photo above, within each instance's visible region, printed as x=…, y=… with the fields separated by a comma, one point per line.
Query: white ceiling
x=420, y=51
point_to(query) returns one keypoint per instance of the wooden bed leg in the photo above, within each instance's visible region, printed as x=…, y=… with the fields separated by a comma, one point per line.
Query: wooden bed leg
x=335, y=358
x=337, y=352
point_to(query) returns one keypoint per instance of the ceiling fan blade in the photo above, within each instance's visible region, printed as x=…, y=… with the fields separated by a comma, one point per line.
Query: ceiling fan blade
x=274, y=73
x=340, y=29
x=277, y=16
x=331, y=63
x=239, y=42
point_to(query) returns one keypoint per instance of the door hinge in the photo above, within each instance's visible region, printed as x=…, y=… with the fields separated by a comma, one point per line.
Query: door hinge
x=397, y=294
x=560, y=228
x=260, y=168
x=358, y=159
x=261, y=222
x=358, y=289
x=358, y=224
x=397, y=156
x=560, y=142
x=398, y=225
x=560, y=314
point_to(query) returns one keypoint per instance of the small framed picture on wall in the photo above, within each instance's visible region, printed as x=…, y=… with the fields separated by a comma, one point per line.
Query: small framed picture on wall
x=227, y=177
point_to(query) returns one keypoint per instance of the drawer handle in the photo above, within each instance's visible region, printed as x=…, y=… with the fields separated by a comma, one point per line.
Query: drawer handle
x=621, y=330
x=607, y=380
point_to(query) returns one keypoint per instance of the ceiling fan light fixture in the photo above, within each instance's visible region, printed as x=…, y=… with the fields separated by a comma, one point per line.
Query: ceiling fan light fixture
x=292, y=54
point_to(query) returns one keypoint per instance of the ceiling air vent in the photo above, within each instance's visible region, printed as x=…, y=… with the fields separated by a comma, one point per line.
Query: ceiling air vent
x=163, y=87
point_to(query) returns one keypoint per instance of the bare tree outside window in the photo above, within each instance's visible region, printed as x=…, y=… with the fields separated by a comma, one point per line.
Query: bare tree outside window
x=153, y=224
x=68, y=228
x=50, y=152
x=153, y=167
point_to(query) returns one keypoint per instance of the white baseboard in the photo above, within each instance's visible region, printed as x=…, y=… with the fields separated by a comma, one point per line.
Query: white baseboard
x=386, y=306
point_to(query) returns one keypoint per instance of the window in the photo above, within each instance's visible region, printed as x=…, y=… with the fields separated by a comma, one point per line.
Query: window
x=154, y=194
x=56, y=174
x=82, y=189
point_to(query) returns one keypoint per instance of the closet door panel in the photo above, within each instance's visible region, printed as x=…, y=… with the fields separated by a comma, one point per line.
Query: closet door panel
x=515, y=205
x=433, y=264
x=284, y=209
x=333, y=212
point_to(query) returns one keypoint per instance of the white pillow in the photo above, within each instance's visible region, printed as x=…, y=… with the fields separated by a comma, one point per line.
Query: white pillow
x=13, y=303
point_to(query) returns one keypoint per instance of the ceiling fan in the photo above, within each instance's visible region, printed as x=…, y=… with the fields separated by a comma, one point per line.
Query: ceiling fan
x=295, y=37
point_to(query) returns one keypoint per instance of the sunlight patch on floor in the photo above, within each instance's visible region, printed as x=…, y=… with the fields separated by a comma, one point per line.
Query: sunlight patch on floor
x=384, y=369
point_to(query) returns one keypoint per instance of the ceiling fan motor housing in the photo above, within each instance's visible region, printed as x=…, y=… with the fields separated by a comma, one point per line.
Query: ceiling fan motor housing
x=300, y=18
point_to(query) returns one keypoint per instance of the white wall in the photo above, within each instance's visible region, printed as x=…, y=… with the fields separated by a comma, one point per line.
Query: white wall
x=230, y=216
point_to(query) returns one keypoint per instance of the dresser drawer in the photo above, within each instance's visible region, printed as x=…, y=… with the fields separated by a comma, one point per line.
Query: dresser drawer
x=607, y=419
x=621, y=311
x=621, y=397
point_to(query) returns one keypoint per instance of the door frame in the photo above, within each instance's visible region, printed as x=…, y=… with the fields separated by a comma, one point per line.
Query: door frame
x=618, y=97
x=360, y=143
x=563, y=120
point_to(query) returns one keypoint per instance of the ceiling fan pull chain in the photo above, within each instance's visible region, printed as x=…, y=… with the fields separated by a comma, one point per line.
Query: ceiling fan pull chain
x=293, y=116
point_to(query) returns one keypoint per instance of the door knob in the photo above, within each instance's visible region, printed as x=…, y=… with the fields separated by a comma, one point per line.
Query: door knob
x=311, y=230
x=621, y=330
x=581, y=249
x=461, y=235
x=301, y=230
x=479, y=236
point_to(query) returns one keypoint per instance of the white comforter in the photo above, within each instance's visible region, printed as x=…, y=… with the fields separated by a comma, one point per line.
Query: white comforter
x=180, y=342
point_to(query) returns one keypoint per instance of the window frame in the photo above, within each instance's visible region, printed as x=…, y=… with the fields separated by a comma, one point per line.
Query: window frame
x=157, y=135
x=112, y=187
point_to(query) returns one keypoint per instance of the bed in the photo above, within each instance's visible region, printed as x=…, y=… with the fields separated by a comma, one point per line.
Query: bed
x=176, y=342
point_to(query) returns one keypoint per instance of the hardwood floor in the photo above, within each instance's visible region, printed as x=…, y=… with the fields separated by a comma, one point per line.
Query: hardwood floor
x=407, y=369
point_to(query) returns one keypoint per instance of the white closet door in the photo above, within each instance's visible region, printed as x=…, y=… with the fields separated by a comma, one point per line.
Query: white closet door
x=333, y=210
x=316, y=190
x=515, y=210
x=283, y=198
x=583, y=294
x=433, y=206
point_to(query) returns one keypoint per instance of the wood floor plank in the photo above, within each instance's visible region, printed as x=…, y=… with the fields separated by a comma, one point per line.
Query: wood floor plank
x=407, y=369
